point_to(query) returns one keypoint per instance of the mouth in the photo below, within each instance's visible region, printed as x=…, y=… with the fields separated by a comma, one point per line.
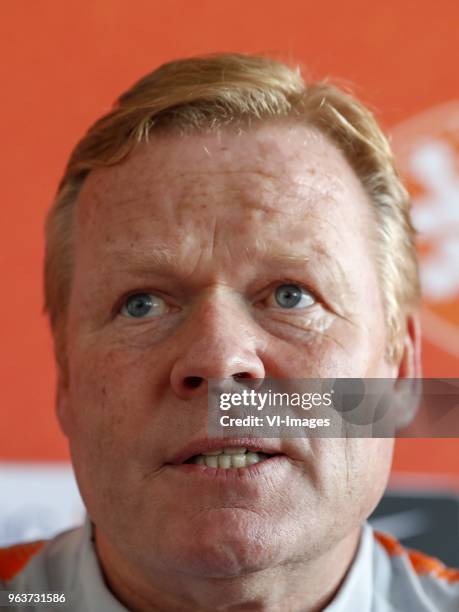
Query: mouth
x=229, y=458
x=236, y=455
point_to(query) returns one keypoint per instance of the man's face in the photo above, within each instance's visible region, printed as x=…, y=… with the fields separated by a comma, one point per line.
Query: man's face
x=210, y=227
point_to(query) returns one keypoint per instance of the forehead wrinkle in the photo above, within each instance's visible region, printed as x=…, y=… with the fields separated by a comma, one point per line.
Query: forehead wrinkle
x=309, y=183
x=313, y=197
x=256, y=201
x=91, y=200
x=293, y=179
x=259, y=172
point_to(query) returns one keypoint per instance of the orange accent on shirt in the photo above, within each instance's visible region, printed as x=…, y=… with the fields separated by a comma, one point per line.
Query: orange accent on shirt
x=14, y=558
x=450, y=574
x=391, y=544
x=422, y=563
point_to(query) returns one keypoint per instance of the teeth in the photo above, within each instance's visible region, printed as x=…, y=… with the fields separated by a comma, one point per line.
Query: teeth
x=251, y=458
x=236, y=450
x=238, y=460
x=229, y=460
x=224, y=461
x=211, y=461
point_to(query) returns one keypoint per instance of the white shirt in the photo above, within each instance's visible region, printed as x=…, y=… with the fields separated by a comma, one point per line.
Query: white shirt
x=379, y=579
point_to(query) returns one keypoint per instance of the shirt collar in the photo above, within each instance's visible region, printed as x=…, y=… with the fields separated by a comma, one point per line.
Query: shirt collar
x=92, y=586
x=356, y=592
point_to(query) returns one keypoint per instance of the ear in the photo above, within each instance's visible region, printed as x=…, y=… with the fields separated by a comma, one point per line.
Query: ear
x=410, y=363
x=408, y=385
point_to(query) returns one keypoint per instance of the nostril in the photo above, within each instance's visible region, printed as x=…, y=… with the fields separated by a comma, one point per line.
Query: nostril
x=193, y=382
x=241, y=375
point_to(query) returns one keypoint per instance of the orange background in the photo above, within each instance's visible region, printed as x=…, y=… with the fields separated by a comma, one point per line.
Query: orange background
x=63, y=63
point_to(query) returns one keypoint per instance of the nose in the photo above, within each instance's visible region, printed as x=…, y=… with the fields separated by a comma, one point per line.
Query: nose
x=219, y=340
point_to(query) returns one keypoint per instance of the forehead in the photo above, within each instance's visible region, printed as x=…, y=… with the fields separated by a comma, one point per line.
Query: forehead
x=254, y=184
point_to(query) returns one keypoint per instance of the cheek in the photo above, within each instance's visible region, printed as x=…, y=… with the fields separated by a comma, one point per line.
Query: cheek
x=353, y=466
x=368, y=466
x=111, y=394
x=342, y=350
x=115, y=428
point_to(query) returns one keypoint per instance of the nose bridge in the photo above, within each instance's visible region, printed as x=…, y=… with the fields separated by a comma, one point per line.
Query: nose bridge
x=220, y=325
x=219, y=306
x=219, y=340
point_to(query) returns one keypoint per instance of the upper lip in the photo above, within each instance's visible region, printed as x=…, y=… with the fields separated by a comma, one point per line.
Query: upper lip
x=197, y=447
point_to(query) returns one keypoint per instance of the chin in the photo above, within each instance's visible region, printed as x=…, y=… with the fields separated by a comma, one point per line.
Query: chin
x=230, y=544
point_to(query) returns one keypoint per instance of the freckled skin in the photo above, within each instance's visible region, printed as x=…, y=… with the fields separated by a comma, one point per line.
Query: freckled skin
x=197, y=220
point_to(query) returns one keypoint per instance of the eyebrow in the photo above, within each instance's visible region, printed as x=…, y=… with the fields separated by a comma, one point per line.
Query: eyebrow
x=299, y=260
x=162, y=259
x=145, y=260
x=312, y=250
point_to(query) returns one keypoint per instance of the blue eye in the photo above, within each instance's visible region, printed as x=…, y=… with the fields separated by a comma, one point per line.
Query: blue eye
x=141, y=305
x=292, y=296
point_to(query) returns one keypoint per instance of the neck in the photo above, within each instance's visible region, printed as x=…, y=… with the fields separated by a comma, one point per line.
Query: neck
x=297, y=586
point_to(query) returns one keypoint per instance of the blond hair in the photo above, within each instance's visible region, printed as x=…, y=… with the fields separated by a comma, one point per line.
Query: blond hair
x=221, y=90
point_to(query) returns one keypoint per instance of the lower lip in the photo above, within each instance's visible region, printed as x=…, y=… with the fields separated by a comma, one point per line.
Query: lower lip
x=262, y=468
